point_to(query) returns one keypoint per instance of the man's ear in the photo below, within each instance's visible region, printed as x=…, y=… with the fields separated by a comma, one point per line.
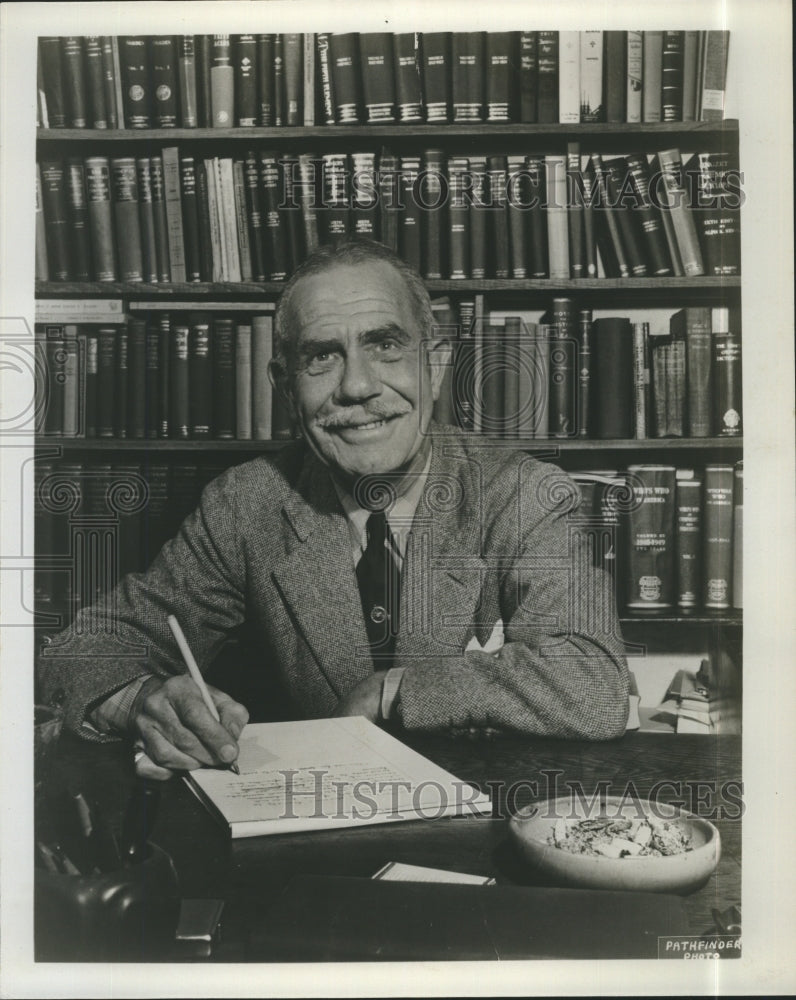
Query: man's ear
x=439, y=354
x=280, y=380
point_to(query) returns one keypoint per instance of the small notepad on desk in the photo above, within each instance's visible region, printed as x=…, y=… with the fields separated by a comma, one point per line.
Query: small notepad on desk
x=324, y=774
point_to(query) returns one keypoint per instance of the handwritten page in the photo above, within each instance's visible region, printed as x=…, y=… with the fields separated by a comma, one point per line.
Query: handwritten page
x=327, y=773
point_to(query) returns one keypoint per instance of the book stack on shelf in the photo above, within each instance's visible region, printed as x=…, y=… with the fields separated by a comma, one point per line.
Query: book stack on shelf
x=571, y=199
x=304, y=79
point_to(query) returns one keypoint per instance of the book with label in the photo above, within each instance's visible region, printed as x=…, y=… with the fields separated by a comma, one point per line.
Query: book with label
x=286, y=784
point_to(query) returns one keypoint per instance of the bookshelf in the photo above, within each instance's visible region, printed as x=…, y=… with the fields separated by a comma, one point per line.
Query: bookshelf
x=697, y=627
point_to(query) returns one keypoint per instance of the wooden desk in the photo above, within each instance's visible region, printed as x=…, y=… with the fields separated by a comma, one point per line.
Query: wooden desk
x=701, y=772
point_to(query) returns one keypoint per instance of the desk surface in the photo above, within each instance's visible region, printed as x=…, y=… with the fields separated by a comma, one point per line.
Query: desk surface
x=700, y=772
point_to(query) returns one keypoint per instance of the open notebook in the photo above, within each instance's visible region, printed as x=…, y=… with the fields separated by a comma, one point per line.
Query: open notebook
x=328, y=774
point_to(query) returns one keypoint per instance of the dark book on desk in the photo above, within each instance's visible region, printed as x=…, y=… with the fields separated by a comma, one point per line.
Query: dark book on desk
x=436, y=72
x=378, y=76
x=467, y=76
x=650, y=558
x=328, y=918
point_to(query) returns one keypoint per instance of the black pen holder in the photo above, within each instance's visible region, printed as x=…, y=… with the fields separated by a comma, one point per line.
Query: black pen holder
x=125, y=915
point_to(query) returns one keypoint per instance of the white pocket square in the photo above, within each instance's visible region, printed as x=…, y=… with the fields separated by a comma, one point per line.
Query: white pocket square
x=493, y=644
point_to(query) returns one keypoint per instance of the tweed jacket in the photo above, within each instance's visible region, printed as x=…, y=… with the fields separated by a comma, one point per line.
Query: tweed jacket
x=494, y=538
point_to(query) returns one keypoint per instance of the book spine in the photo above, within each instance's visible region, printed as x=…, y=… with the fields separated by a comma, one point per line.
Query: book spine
x=109, y=81
x=186, y=51
x=52, y=73
x=652, y=75
x=190, y=220
x=223, y=379
x=279, y=80
x=293, y=55
x=640, y=377
x=717, y=583
x=690, y=70
x=407, y=77
x=344, y=62
x=479, y=213
x=676, y=389
x=584, y=372
x=251, y=182
x=537, y=216
x=325, y=70
x=78, y=221
x=436, y=64
x=262, y=351
x=164, y=382
x=547, y=78
x=246, y=80
x=458, y=218
x=378, y=77
x=676, y=203
x=616, y=171
x=70, y=420
x=214, y=211
x=648, y=216
x=243, y=381
x=563, y=422
x=173, y=198
x=308, y=190
x=200, y=378
x=648, y=396
x=146, y=218
x=432, y=197
x=136, y=361
x=714, y=76
x=42, y=269
x=229, y=218
x=273, y=229
x=54, y=360
x=308, y=79
x=592, y=108
x=95, y=83
x=737, y=537
x=568, y=77
x=241, y=221
x=651, y=582
x=119, y=82
x=56, y=221
x=136, y=87
x=557, y=223
x=615, y=75
x=365, y=203
x=529, y=75
x=693, y=326
x=179, y=372
x=672, y=76
x=152, y=378
x=660, y=354
x=74, y=81
x=159, y=217
x=291, y=209
x=92, y=372
x=613, y=377
x=633, y=97
x=463, y=382
x=511, y=379
x=717, y=211
x=163, y=60
x=265, y=80
x=121, y=383
x=125, y=208
x=389, y=199
x=445, y=327
x=688, y=537
x=204, y=94
x=222, y=83
x=500, y=69
x=106, y=381
x=467, y=76
x=727, y=418
x=517, y=200
x=575, y=213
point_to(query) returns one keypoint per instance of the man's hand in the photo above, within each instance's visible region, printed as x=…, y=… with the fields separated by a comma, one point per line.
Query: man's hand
x=364, y=699
x=177, y=731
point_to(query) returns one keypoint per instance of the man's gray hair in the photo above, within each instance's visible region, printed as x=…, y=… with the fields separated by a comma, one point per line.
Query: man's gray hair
x=356, y=250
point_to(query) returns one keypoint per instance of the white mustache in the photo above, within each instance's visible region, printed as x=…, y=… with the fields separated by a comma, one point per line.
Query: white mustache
x=356, y=418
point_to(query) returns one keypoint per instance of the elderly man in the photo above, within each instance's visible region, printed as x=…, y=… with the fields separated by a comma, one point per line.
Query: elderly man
x=387, y=566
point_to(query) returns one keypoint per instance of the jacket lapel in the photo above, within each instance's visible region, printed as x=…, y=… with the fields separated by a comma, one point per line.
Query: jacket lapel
x=317, y=582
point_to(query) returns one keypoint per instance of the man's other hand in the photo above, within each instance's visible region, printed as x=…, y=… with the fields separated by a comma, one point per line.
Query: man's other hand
x=364, y=699
x=177, y=731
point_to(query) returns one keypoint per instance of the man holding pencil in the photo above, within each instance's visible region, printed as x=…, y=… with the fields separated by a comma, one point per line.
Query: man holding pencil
x=386, y=566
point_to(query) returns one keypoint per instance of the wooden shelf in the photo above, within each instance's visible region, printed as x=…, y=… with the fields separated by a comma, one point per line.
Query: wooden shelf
x=711, y=285
x=731, y=617
x=547, y=448
x=411, y=132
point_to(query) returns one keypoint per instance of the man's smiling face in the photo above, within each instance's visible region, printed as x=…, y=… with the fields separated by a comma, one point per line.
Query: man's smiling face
x=360, y=382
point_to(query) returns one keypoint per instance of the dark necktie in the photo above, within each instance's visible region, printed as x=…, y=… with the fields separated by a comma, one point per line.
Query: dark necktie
x=378, y=577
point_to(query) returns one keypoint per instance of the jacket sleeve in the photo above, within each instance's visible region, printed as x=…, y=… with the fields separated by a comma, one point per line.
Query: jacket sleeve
x=562, y=670
x=198, y=577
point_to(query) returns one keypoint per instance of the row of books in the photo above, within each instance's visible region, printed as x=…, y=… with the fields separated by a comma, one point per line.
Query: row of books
x=192, y=375
x=672, y=537
x=292, y=79
x=178, y=217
